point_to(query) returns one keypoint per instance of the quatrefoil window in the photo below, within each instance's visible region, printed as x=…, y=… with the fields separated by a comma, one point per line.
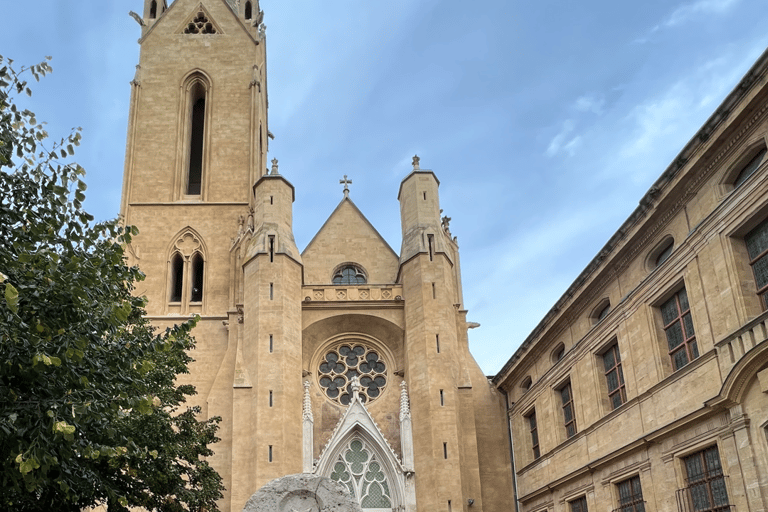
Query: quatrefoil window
x=341, y=364
x=200, y=25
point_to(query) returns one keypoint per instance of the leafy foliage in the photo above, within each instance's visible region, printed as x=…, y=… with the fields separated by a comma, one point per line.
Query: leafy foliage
x=89, y=409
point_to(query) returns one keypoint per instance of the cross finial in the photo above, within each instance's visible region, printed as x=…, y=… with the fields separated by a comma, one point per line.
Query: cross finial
x=416, y=162
x=346, y=184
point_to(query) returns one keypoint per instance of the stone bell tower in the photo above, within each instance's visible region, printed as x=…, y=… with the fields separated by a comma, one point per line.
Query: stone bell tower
x=195, y=186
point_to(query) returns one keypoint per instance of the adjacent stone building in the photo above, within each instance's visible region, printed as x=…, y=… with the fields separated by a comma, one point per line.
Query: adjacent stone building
x=646, y=386
x=347, y=359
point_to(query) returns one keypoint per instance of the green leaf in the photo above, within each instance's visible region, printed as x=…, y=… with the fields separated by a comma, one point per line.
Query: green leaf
x=12, y=297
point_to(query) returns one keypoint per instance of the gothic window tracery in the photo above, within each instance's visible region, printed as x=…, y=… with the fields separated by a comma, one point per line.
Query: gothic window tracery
x=349, y=274
x=349, y=360
x=360, y=471
x=200, y=25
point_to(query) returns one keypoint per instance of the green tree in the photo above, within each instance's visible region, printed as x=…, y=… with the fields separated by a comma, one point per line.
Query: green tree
x=90, y=412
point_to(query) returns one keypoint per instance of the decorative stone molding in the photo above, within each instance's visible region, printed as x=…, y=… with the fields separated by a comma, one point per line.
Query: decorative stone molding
x=347, y=293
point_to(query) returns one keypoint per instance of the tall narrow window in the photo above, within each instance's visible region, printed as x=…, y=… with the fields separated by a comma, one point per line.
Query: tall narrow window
x=431, y=243
x=531, y=418
x=631, y=495
x=270, y=398
x=678, y=327
x=614, y=377
x=153, y=10
x=271, y=344
x=271, y=291
x=757, y=247
x=196, y=139
x=705, y=484
x=569, y=416
x=177, y=277
x=248, y=10
x=442, y=398
x=270, y=453
x=437, y=342
x=445, y=450
x=434, y=293
x=198, y=266
x=271, y=248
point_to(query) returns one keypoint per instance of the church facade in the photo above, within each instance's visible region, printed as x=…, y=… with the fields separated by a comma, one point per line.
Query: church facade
x=645, y=387
x=347, y=359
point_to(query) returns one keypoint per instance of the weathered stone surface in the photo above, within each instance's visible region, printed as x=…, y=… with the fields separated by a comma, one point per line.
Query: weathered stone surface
x=302, y=493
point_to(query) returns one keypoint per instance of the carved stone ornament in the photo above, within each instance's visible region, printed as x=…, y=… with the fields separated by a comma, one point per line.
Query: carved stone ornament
x=187, y=244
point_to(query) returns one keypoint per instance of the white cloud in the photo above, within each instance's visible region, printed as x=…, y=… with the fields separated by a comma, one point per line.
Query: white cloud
x=687, y=11
x=590, y=104
x=563, y=142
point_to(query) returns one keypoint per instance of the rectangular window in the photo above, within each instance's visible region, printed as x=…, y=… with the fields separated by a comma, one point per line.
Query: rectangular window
x=579, y=504
x=705, y=484
x=614, y=377
x=442, y=398
x=434, y=293
x=270, y=398
x=437, y=342
x=569, y=417
x=630, y=495
x=271, y=291
x=270, y=453
x=757, y=247
x=271, y=344
x=431, y=243
x=678, y=328
x=531, y=418
x=271, y=248
x=445, y=450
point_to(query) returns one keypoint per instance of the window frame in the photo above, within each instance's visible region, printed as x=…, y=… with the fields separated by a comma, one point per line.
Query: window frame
x=338, y=271
x=194, y=82
x=706, y=479
x=621, y=389
x=660, y=253
x=688, y=343
x=532, y=426
x=582, y=504
x=761, y=292
x=566, y=405
x=633, y=502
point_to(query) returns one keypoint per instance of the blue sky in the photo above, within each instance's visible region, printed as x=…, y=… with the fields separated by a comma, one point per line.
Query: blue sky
x=545, y=121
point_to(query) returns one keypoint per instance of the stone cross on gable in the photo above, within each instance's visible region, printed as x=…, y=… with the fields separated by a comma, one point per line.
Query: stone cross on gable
x=346, y=184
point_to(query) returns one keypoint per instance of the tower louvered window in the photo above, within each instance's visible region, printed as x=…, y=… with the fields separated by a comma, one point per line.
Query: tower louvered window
x=363, y=475
x=757, y=247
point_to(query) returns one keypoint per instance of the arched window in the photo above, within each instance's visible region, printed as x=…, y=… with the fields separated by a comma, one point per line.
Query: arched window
x=601, y=311
x=177, y=277
x=248, y=10
x=198, y=265
x=660, y=253
x=153, y=10
x=526, y=384
x=558, y=353
x=749, y=168
x=362, y=473
x=349, y=274
x=196, y=139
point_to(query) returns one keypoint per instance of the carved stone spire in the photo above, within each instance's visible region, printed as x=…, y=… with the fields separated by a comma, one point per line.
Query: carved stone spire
x=405, y=406
x=307, y=413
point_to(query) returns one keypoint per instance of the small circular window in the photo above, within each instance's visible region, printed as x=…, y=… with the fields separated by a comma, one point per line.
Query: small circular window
x=348, y=360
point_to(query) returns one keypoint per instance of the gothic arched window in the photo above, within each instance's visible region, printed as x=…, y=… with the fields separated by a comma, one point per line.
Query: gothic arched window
x=153, y=10
x=248, y=10
x=177, y=277
x=361, y=472
x=196, y=139
x=198, y=266
x=349, y=274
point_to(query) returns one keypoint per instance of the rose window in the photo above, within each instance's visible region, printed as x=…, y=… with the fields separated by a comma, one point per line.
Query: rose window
x=340, y=365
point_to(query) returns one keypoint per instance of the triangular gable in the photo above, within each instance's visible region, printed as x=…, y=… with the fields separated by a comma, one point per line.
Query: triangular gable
x=355, y=420
x=178, y=4
x=348, y=237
